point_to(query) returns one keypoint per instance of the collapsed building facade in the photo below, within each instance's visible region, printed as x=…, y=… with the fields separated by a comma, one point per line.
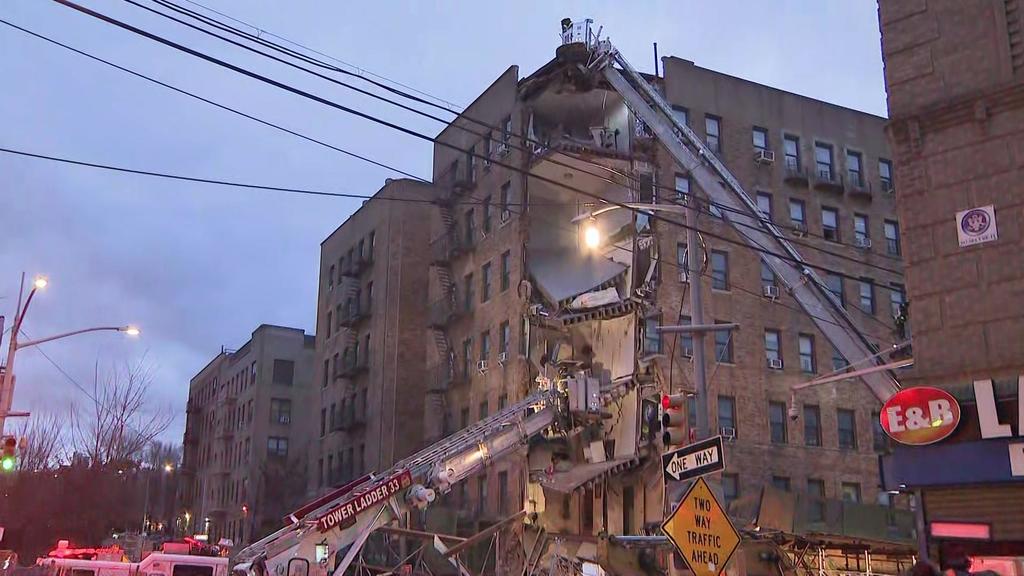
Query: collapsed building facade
x=535, y=282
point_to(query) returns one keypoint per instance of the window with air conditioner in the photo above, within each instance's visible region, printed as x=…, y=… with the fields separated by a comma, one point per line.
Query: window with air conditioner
x=772, y=351
x=682, y=186
x=760, y=138
x=861, y=234
x=727, y=413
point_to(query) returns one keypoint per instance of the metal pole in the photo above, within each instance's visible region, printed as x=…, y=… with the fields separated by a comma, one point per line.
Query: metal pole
x=7, y=388
x=693, y=272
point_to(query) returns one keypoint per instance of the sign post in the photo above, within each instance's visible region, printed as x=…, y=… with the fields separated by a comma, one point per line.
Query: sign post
x=701, y=531
x=697, y=459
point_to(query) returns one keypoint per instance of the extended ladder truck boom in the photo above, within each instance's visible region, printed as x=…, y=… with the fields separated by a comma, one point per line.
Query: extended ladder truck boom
x=344, y=519
x=694, y=156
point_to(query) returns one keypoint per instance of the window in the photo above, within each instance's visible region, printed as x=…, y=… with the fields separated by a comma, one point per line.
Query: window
x=685, y=342
x=506, y=270
x=470, y=164
x=812, y=425
x=504, y=337
x=723, y=344
x=502, y=401
x=464, y=418
x=867, y=296
x=481, y=494
x=730, y=488
x=767, y=276
x=847, y=426
x=681, y=260
x=797, y=214
x=330, y=322
x=277, y=446
x=885, y=174
x=469, y=230
x=764, y=204
x=719, y=270
x=806, y=343
x=467, y=303
x=323, y=422
x=830, y=224
x=320, y=471
x=777, y=422
x=467, y=353
x=652, y=338
x=505, y=200
x=682, y=188
x=851, y=492
x=485, y=282
x=879, y=441
x=506, y=130
x=486, y=208
x=838, y=361
x=713, y=127
x=280, y=411
x=628, y=510
x=771, y=348
x=332, y=475
x=524, y=336
x=892, y=237
x=823, y=160
x=371, y=244
x=727, y=412
x=682, y=115
x=834, y=284
x=897, y=297
x=330, y=279
x=483, y=410
x=781, y=483
x=362, y=458
x=284, y=372
x=485, y=344
x=816, y=500
x=760, y=138
x=861, y=231
x=502, y=491
x=335, y=416
x=853, y=168
x=327, y=373
x=791, y=150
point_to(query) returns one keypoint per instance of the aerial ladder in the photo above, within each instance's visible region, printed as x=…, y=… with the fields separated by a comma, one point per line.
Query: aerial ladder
x=724, y=190
x=344, y=519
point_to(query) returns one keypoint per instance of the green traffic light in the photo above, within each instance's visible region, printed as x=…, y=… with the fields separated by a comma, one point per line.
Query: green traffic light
x=7, y=464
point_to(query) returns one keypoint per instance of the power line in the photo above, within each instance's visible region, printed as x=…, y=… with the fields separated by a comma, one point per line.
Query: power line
x=419, y=135
x=217, y=104
x=271, y=45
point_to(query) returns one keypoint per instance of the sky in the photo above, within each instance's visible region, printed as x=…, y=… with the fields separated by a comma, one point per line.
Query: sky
x=198, y=267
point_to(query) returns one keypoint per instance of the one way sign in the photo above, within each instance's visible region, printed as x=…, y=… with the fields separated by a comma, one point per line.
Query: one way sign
x=694, y=460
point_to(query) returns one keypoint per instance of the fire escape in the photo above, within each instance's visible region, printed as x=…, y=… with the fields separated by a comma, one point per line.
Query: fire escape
x=455, y=184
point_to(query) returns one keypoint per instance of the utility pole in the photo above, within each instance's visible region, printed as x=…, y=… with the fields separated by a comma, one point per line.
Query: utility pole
x=7, y=383
x=694, y=259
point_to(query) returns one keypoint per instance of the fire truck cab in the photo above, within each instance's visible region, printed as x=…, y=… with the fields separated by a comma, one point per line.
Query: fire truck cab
x=111, y=562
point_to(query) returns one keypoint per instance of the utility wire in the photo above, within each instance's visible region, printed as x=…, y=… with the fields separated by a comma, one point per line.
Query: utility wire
x=455, y=124
x=371, y=118
x=217, y=104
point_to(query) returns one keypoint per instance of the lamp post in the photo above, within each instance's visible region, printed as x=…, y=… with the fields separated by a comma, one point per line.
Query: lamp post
x=7, y=382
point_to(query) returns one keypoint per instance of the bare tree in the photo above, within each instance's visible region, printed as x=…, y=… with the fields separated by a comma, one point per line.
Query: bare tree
x=159, y=454
x=45, y=442
x=120, y=422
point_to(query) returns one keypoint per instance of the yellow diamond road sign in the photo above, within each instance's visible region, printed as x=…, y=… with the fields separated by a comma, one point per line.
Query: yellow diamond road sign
x=701, y=531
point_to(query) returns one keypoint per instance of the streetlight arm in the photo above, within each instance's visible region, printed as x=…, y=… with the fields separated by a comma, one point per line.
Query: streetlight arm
x=28, y=343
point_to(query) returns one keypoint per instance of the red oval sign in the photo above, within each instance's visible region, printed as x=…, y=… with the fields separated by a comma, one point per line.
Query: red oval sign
x=919, y=416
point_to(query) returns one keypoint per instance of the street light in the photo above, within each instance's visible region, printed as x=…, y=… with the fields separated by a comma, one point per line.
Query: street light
x=7, y=381
x=168, y=467
x=591, y=235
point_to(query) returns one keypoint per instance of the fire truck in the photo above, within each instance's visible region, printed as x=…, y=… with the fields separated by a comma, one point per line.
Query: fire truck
x=175, y=559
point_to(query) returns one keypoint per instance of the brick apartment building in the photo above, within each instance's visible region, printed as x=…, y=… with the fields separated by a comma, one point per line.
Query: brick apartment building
x=367, y=409
x=955, y=80
x=246, y=438
x=508, y=265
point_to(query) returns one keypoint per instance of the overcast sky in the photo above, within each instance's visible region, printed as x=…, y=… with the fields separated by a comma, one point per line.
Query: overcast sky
x=199, y=266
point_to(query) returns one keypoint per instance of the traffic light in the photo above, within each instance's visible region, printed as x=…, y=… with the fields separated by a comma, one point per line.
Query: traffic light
x=673, y=420
x=9, y=457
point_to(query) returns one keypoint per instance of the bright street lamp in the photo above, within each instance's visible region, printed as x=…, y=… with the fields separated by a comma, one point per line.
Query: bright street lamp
x=168, y=467
x=7, y=381
x=591, y=235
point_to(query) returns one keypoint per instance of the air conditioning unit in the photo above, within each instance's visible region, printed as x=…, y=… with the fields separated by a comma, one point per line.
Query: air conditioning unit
x=502, y=149
x=502, y=358
x=481, y=366
x=799, y=229
x=770, y=291
x=775, y=363
x=862, y=242
x=727, y=432
x=284, y=419
x=764, y=156
x=487, y=163
x=684, y=276
x=506, y=216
